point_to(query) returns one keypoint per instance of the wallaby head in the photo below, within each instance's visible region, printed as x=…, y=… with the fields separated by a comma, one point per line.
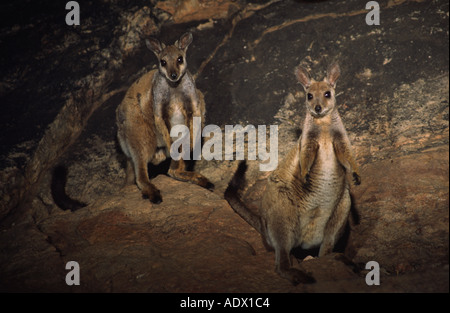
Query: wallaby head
x=172, y=59
x=320, y=95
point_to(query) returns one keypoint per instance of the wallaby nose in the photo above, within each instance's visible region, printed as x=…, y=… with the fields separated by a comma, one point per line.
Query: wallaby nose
x=318, y=108
x=173, y=75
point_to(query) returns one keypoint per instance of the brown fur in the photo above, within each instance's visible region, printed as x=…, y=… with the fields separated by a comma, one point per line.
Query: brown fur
x=307, y=200
x=156, y=102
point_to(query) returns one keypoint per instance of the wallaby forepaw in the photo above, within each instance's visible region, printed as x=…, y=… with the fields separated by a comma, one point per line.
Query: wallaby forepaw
x=356, y=179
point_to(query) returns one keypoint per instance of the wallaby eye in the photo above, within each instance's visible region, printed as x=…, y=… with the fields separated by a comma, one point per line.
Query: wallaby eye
x=163, y=62
x=180, y=60
x=327, y=94
x=310, y=96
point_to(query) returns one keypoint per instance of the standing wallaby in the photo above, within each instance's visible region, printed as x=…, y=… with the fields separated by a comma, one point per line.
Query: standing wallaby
x=159, y=100
x=307, y=200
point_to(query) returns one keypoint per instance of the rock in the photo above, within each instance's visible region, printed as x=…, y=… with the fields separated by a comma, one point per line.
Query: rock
x=403, y=217
x=392, y=96
x=123, y=243
x=200, y=242
x=197, y=10
x=137, y=26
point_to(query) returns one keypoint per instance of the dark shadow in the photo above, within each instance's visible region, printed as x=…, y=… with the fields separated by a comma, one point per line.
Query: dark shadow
x=300, y=253
x=297, y=131
x=161, y=168
x=354, y=215
x=341, y=244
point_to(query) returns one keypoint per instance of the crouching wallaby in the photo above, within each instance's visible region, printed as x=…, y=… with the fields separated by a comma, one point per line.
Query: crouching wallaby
x=307, y=200
x=159, y=100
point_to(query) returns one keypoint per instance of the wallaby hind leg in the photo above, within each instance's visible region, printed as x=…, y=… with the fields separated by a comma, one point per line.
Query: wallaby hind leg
x=142, y=180
x=285, y=269
x=336, y=224
x=178, y=171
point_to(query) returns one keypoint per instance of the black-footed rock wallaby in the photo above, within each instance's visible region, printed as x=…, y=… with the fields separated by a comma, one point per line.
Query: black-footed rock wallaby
x=307, y=200
x=159, y=100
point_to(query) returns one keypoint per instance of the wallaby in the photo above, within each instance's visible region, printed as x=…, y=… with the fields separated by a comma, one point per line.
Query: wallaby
x=307, y=200
x=157, y=101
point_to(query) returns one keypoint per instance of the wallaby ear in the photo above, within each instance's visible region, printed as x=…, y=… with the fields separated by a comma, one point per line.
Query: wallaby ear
x=184, y=41
x=303, y=77
x=333, y=73
x=154, y=45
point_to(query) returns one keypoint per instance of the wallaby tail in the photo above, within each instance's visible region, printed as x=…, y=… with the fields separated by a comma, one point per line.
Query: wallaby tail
x=232, y=196
x=59, y=179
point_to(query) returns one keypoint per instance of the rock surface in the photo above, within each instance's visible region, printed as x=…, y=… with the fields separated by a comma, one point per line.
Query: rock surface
x=59, y=89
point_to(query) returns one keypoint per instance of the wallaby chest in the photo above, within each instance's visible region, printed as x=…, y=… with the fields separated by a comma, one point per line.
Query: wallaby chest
x=326, y=167
x=326, y=178
x=326, y=171
x=319, y=195
x=175, y=104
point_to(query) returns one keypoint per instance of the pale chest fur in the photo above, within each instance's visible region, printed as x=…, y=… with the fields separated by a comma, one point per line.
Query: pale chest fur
x=175, y=104
x=326, y=171
x=326, y=176
x=180, y=97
